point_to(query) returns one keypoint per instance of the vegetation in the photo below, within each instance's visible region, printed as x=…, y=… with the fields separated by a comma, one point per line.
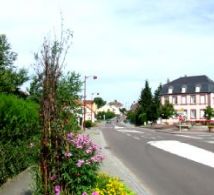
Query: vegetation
x=105, y=115
x=19, y=133
x=208, y=112
x=99, y=102
x=107, y=185
x=88, y=124
x=10, y=78
x=149, y=107
x=167, y=110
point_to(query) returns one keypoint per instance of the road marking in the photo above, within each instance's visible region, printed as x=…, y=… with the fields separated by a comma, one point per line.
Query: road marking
x=187, y=151
x=188, y=136
x=210, y=142
x=118, y=127
x=137, y=138
x=129, y=131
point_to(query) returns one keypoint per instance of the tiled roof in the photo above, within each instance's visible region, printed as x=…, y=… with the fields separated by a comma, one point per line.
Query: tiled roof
x=190, y=82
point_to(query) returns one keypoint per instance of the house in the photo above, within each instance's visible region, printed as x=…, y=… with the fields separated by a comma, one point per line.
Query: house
x=190, y=95
x=111, y=108
x=90, y=110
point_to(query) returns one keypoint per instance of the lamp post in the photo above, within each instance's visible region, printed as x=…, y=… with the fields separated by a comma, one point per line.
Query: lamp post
x=84, y=99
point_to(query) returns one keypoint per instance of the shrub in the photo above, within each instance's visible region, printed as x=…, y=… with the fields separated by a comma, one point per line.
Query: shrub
x=88, y=124
x=19, y=119
x=79, y=164
x=107, y=185
x=19, y=135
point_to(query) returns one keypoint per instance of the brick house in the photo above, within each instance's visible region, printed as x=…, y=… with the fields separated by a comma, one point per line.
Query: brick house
x=190, y=95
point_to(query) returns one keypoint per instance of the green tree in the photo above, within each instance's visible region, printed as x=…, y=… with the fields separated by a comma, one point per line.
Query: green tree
x=144, y=112
x=10, y=78
x=208, y=112
x=99, y=102
x=156, y=104
x=167, y=110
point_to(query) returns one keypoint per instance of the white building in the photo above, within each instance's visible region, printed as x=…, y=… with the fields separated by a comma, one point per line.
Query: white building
x=189, y=95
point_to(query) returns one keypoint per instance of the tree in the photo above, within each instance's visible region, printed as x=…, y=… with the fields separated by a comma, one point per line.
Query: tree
x=68, y=87
x=10, y=78
x=99, y=102
x=208, y=112
x=167, y=110
x=156, y=104
x=144, y=112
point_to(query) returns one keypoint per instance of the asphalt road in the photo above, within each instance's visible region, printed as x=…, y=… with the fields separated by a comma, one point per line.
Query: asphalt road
x=161, y=172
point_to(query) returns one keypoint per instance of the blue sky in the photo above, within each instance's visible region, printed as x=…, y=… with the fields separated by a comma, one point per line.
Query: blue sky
x=123, y=42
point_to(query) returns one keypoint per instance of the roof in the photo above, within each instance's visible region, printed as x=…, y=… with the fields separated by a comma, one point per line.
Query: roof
x=189, y=82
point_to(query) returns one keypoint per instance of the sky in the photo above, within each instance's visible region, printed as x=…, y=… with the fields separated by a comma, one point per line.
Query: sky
x=122, y=42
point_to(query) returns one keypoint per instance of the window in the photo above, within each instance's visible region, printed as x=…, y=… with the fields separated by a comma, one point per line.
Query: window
x=174, y=100
x=183, y=100
x=202, y=99
x=170, y=90
x=193, y=114
x=197, y=88
x=183, y=89
x=166, y=99
x=192, y=99
x=201, y=113
x=185, y=113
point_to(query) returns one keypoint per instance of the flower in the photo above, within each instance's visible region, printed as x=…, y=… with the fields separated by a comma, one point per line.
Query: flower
x=80, y=163
x=53, y=177
x=69, y=136
x=97, y=158
x=95, y=193
x=68, y=154
x=84, y=193
x=57, y=189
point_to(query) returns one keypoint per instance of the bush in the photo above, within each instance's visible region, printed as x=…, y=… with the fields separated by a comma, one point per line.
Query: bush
x=88, y=124
x=107, y=185
x=79, y=165
x=106, y=115
x=19, y=135
x=19, y=119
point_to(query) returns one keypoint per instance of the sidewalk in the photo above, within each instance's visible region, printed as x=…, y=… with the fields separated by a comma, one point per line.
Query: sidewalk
x=21, y=184
x=113, y=166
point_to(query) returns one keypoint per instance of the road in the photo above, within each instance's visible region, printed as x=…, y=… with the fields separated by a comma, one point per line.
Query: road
x=163, y=171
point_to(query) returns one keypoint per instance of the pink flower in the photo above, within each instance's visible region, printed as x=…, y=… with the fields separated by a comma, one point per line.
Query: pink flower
x=97, y=158
x=84, y=193
x=57, y=189
x=70, y=136
x=95, y=193
x=80, y=163
x=53, y=177
x=68, y=154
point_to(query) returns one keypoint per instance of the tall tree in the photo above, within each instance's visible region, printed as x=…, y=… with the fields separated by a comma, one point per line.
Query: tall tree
x=145, y=104
x=156, y=104
x=10, y=78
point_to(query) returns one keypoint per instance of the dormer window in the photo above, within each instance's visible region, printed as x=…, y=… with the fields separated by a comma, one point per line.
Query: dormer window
x=170, y=90
x=197, y=88
x=183, y=89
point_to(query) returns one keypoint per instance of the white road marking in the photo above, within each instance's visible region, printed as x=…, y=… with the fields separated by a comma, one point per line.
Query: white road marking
x=118, y=127
x=210, y=142
x=187, y=151
x=189, y=136
x=137, y=138
x=129, y=131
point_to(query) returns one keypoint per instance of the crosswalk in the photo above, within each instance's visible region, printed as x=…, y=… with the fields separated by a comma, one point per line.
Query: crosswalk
x=152, y=136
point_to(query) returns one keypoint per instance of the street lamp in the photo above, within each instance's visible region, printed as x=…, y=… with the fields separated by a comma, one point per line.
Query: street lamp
x=84, y=98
